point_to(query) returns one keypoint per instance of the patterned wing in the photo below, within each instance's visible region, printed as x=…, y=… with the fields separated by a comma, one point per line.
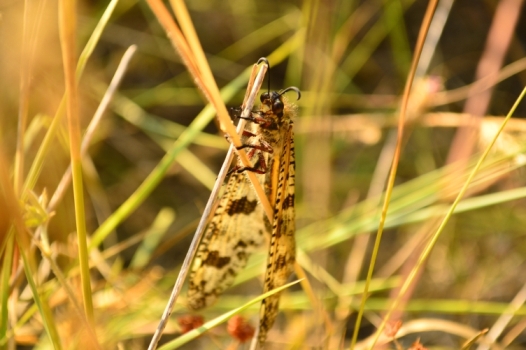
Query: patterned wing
x=282, y=249
x=235, y=231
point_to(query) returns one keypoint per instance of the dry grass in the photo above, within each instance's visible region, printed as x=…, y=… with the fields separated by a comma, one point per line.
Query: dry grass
x=108, y=156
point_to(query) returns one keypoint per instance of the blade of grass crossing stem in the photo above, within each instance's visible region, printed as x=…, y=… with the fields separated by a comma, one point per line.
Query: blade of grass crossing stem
x=427, y=251
x=185, y=338
x=204, y=81
x=396, y=157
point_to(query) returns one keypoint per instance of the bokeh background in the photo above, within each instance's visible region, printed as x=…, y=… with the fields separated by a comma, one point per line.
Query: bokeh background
x=351, y=60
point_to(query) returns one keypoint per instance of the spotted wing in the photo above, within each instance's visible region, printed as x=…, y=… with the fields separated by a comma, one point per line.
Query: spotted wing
x=235, y=231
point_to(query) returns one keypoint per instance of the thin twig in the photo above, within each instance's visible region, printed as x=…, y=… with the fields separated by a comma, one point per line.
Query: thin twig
x=95, y=121
x=392, y=174
x=199, y=71
x=248, y=104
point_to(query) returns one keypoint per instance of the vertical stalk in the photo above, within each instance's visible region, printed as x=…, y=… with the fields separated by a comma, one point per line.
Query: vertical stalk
x=67, y=25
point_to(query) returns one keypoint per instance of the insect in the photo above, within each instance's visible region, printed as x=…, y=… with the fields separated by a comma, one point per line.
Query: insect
x=239, y=225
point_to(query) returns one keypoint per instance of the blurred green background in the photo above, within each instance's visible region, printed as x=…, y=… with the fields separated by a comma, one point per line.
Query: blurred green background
x=351, y=60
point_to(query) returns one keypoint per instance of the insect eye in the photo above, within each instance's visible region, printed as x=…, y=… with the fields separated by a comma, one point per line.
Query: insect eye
x=264, y=96
x=277, y=107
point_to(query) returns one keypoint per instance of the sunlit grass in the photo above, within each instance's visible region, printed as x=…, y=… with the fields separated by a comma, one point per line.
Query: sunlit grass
x=150, y=161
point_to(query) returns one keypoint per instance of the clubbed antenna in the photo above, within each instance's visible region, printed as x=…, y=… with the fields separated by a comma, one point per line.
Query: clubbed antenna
x=291, y=88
